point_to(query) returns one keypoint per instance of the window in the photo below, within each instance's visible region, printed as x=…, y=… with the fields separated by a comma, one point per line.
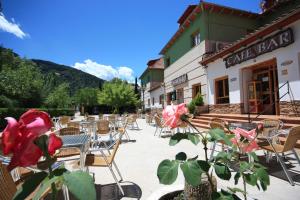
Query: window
x=153, y=101
x=222, y=90
x=196, y=89
x=169, y=98
x=148, y=102
x=180, y=96
x=161, y=99
x=196, y=39
x=168, y=62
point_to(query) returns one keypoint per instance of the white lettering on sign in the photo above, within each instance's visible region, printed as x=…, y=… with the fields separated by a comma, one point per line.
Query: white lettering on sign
x=281, y=39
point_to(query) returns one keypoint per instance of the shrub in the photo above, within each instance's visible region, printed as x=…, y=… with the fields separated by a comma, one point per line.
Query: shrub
x=199, y=100
x=191, y=107
x=17, y=112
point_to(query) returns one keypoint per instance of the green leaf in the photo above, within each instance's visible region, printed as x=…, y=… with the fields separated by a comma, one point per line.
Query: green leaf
x=219, y=135
x=175, y=139
x=167, y=171
x=237, y=177
x=192, y=172
x=45, y=185
x=181, y=156
x=251, y=179
x=236, y=190
x=263, y=177
x=29, y=185
x=204, y=165
x=193, y=138
x=80, y=184
x=222, y=171
x=42, y=143
x=223, y=156
x=253, y=155
x=244, y=166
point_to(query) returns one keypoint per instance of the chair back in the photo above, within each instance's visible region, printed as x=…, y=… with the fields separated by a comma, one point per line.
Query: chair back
x=218, y=120
x=292, y=138
x=112, y=118
x=90, y=119
x=69, y=131
x=64, y=120
x=158, y=121
x=116, y=146
x=73, y=124
x=270, y=125
x=214, y=125
x=100, y=116
x=7, y=186
x=103, y=126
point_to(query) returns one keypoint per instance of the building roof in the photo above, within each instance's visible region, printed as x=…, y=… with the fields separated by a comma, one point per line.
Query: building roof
x=186, y=13
x=200, y=8
x=277, y=24
x=153, y=64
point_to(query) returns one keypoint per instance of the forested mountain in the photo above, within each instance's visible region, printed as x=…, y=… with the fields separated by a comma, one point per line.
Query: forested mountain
x=28, y=83
x=57, y=74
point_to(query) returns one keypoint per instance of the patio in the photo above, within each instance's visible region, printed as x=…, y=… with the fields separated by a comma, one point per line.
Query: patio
x=139, y=158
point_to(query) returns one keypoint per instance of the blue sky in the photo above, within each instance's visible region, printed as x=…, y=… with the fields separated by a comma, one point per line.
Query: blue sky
x=107, y=38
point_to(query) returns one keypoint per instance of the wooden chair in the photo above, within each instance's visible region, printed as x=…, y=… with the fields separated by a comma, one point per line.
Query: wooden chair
x=122, y=130
x=104, y=129
x=159, y=126
x=72, y=151
x=103, y=160
x=217, y=124
x=132, y=121
x=73, y=124
x=278, y=149
x=90, y=119
x=270, y=125
x=8, y=187
x=64, y=120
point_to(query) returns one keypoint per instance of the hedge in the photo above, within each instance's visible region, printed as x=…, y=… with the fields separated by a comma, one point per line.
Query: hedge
x=17, y=112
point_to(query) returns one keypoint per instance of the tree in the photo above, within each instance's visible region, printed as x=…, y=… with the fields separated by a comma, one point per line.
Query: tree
x=20, y=81
x=60, y=97
x=117, y=94
x=86, y=97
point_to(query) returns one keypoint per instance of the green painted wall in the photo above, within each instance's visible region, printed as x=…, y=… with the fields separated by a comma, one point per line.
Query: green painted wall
x=152, y=75
x=285, y=7
x=212, y=26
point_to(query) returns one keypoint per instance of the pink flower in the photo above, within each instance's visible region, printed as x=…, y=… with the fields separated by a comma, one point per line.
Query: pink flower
x=54, y=143
x=245, y=146
x=18, y=137
x=172, y=114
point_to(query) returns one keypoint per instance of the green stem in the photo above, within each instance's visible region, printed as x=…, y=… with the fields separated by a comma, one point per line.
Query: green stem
x=245, y=187
x=53, y=187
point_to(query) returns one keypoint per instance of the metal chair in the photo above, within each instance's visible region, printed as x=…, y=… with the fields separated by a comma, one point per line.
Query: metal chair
x=63, y=121
x=103, y=160
x=132, y=121
x=216, y=124
x=72, y=151
x=73, y=124
x=105, y=128
x=159, y=126
x=289, y=145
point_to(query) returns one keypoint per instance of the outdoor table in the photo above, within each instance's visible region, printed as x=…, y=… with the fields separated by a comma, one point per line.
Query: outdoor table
x=243, y=125
x=79, y=141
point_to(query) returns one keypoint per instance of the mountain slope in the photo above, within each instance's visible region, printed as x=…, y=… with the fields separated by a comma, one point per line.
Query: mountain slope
x=56, y=74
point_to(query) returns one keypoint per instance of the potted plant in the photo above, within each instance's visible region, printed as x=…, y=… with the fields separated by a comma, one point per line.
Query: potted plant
x=199, y=104
x=200, y=173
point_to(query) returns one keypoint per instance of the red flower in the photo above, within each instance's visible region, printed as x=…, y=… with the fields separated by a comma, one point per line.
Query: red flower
x=245, y=146
x=54, y=143
x=172, y=114
x=18, y=137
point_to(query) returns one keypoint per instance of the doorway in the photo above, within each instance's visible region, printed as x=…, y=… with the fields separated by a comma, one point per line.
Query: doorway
x=262, y=90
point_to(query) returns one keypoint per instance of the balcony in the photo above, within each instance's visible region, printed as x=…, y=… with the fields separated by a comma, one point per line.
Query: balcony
x=153, y=85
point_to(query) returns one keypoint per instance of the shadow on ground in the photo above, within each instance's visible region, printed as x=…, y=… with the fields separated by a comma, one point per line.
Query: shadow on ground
x=110, y=192
x=274, y=168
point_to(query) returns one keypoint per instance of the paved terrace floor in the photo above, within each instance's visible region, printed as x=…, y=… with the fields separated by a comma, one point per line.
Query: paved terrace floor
x=139, y=158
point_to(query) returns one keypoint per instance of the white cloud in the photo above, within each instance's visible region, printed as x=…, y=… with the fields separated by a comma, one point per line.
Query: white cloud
x=105, y=72
x=11, y=27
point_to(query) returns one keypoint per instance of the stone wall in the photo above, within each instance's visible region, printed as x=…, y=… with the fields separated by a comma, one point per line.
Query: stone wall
x=289, y=109
x=226, y=108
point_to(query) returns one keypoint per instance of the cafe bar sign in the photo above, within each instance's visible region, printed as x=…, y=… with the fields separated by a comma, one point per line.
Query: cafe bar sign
x=179, y=80
x=281, y=39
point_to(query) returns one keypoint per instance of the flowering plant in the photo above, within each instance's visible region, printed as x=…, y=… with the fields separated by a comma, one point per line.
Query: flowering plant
x=26, y=140
x=238, y=141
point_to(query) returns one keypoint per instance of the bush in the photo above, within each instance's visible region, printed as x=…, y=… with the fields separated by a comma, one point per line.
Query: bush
x=198, y=100
x=191, y=107
x=17, y=112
